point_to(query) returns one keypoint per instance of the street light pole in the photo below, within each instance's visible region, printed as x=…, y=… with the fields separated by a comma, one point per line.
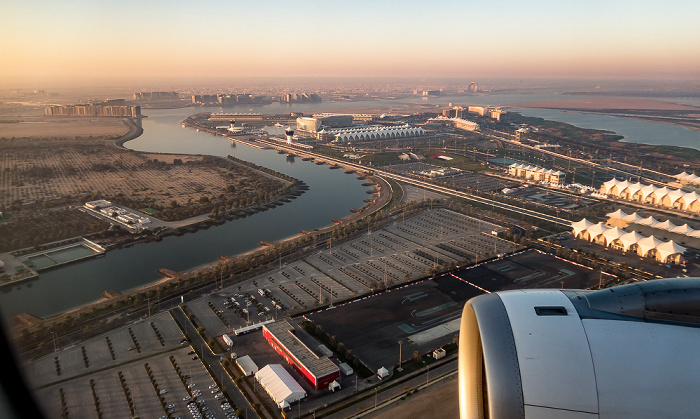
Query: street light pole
x=400, y=343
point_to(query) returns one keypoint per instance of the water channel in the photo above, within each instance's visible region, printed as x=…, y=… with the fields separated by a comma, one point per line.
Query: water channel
x=331, y=195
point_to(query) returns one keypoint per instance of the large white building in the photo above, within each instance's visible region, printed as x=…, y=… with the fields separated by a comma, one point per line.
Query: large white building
x=280, y=385
x=537, y=174
x=372, y=132
x=651, y=194
x=688, y=178
x=616, y=238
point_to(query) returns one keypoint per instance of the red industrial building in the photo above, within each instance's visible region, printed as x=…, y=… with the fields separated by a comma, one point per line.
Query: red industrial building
x=319, y=371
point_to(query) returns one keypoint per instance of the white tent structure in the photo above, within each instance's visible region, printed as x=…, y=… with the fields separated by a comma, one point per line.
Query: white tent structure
x=646, y=244
x=654, y=195
x=684, y=229
x=616, y=238
x=595, y=231
x=669, y=248
x=632, y=189
x=281, y=386
x=607, y=186
x=618, y=213
x=612, y=234
x=688, y=177
x=247, y=365
x=580, y=226
x=633, y=218
x=649, y=221
x=665, y=225
x=629, y=239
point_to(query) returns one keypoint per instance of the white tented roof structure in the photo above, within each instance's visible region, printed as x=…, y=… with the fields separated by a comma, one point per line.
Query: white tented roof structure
x=649, y=221
x=580, y=226
x=688, y=177
x=633, y=218
x=247, y=365
x=633, y=188
x=612, y=234
x=618, y=213
x=281, y=386
x=629, y=239
x=648, y=243
x=652, y=194
x=596, y=230
x=684, y=229
x=665, y=225
x=669, y=248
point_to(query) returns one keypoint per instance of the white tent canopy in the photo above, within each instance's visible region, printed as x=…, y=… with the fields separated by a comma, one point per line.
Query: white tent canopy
x=634, y=188
x=612, y=234
x=579, y=226
x=683, y=229
x=669, y=248
x=649, y=221
x=619, y=214
x=633, y=218
x=629, y=239
x=648, y=243
x=665, y=225
x=247, y=365
x=280, y=385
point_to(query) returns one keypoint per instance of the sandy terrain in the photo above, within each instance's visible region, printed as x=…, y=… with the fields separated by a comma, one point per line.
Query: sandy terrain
x=440, y=400
x=63, y=127
x=613, y=103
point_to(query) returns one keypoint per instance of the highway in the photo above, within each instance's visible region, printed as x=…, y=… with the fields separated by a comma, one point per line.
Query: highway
x=423, y=184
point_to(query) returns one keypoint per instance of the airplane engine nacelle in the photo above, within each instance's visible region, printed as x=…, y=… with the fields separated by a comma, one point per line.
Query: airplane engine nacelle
x=631, y=351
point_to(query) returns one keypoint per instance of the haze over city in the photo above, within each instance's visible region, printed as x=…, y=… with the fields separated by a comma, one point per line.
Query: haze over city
x=108, y=43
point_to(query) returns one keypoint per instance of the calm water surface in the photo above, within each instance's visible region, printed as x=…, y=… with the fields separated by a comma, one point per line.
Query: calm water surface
x=331, y=194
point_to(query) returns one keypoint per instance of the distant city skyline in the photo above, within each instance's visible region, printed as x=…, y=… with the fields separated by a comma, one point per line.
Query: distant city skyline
x=82, y=42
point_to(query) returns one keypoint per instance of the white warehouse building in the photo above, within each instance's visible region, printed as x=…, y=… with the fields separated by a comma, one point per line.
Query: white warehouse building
x=372, y=132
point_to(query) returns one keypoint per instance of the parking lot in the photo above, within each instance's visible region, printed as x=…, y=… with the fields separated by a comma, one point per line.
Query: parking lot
x=426, y=315
x=137, y=340
x=113, y=403
x=399, y=253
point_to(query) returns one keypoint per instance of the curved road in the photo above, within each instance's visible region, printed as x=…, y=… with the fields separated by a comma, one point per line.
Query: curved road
x=423, y=184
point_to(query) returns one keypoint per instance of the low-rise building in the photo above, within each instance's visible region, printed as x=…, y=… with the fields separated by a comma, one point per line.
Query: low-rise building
x=319, y=371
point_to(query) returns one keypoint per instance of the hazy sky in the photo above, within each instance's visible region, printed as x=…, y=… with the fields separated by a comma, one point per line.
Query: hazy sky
x=78, y=41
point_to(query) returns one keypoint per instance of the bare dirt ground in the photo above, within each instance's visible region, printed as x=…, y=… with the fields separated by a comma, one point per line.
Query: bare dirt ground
x=440, y=400
x=45, y=169
x=62, y=127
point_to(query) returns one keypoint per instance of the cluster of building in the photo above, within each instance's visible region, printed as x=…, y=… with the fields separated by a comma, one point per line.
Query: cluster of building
x=343, y=128
x=616, y=238
x=133, y=221
x=229, y=99
x=536, y=173
x=688, y=178
x=155, y=95
x=93, y=109
x=460, y=111
x=651, y=194
x=318, y=370
x=650, y=225
x=300, y=98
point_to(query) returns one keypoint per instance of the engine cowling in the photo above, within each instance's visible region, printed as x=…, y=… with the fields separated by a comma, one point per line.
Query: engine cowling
x=628, y=351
